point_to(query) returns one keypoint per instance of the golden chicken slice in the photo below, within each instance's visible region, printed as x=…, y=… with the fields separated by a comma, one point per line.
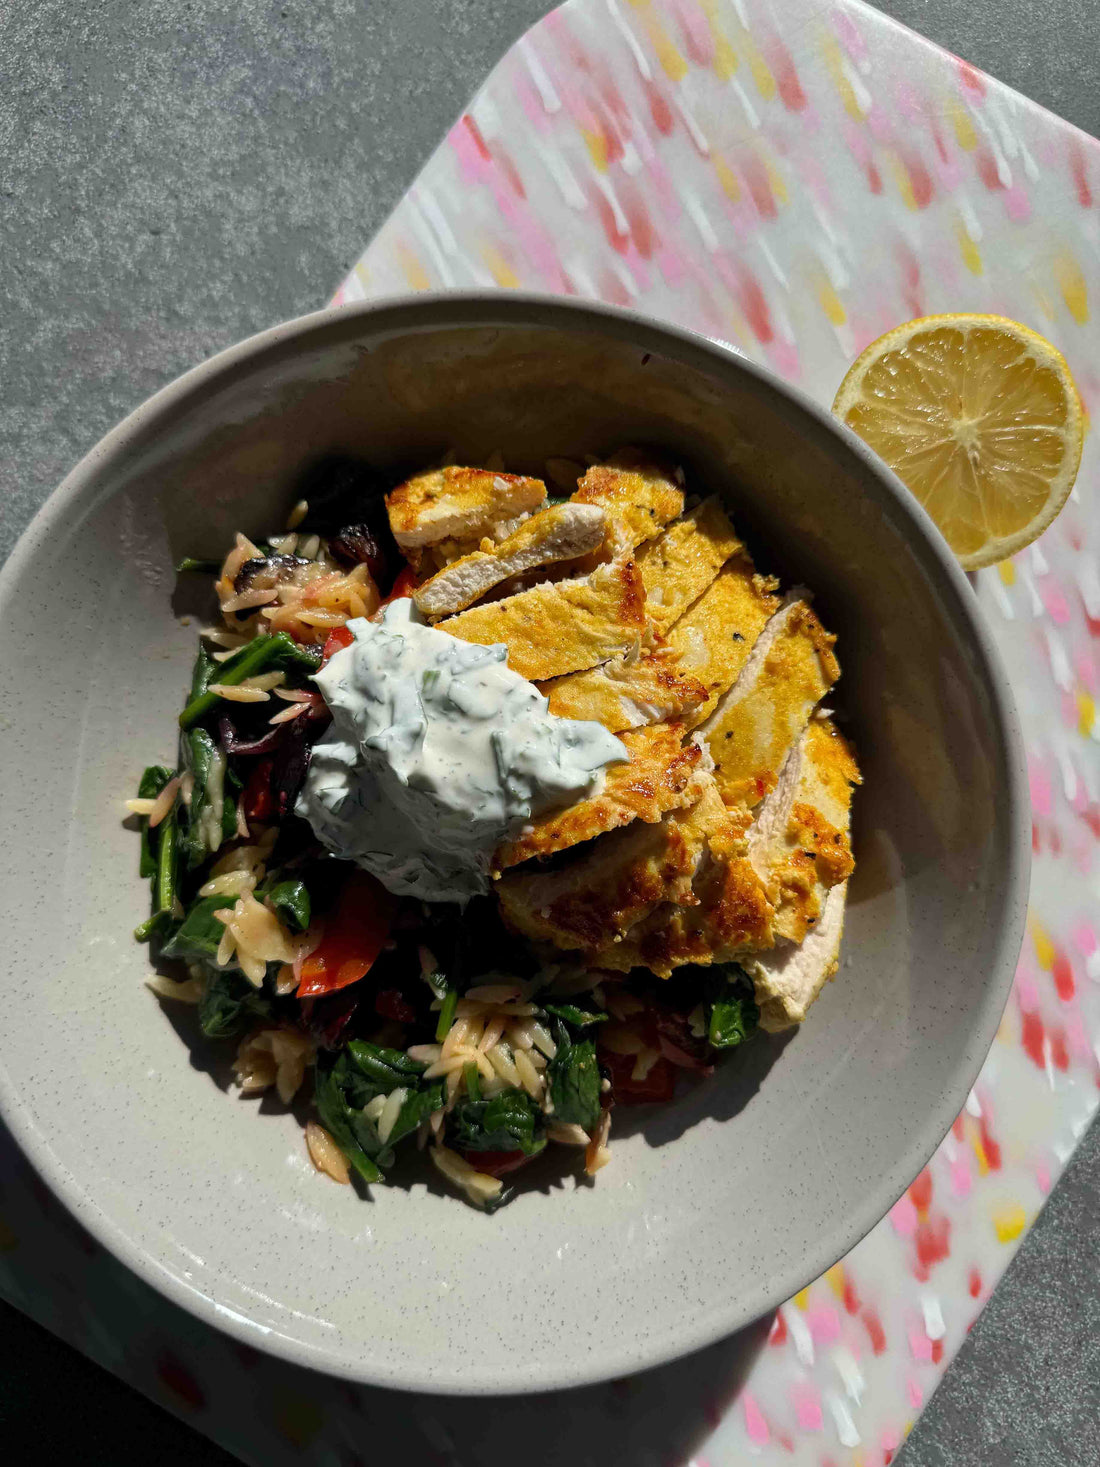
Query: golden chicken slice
x=606, y=887
x=759, y=720
x=458, y=504
x=562, y=532
x=660, y=776
x=628, y=691
x=561, y=626
x=798, y=843
x=729, y=911
x=679, y=565
x=790, y=976
x=716, y=635
x=639, y=495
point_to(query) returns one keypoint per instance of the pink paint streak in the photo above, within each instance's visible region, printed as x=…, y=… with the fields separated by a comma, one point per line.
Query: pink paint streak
x=755, y=1424
x=848, y=34
x=1017, y=204
x=824, y=1324
x=903, y=1216
x=807, y=1407
x=960, y=1175
x=1054, y=599
x=920, y=1346
x=1040, y=786
x=698, y=40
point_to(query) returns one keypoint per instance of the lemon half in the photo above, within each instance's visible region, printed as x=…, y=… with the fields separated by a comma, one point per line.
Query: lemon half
x=978, y=416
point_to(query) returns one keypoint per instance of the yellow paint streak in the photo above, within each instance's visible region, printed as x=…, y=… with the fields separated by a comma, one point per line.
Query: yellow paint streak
x=727, y=178
x=1009, y=1222
x=775, y=182
x=965, y=133
x=1006, y=569
x=831, y=304
x=501, y=271
x=1044, y=948
x=1075, y=293
x=415, y=273
x=672, y=63
x=596, y=144
x=726, y=60
x=1045, y=302
x=725, y=57
x=835, y=64
x=834, y=1277
x=802, y=1298
x=903, y=181
x=761, y=75
x=979, y=1152
x=968, y=249
x=1086, y=712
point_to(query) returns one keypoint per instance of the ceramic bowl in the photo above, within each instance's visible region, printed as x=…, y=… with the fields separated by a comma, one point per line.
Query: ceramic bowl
x=715, y=1208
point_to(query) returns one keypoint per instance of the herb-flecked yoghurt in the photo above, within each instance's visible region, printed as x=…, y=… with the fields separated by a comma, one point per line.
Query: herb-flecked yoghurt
x=438, y=752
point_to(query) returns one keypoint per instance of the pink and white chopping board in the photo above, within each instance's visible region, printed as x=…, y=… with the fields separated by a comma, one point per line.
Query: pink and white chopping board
x=792, y=178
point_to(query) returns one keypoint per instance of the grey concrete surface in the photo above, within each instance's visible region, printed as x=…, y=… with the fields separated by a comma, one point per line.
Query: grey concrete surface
x=174, y=176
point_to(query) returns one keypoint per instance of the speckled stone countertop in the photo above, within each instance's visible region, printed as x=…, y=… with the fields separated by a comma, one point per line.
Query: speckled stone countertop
x=174, y=177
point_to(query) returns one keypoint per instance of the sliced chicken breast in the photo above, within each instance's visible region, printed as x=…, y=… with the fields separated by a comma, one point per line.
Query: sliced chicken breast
x=563, y=626
x=759, y=720
x=608, y=886
x=458, y=504
x=790, y=976
x=659, y=777
x=728, y=913
x=679, y=565
x=628, y=691
x=799, y=843
x=561, y=533
x=716, y=635
x=639, y=495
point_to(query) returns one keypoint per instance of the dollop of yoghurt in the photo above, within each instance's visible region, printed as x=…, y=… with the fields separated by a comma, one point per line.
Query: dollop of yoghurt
x=438, y=752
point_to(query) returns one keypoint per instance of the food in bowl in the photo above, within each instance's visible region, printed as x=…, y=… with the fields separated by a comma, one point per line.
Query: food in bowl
x=559, y=817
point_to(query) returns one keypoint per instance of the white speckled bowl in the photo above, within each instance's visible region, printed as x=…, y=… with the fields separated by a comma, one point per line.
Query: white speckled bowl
x=722, y=1204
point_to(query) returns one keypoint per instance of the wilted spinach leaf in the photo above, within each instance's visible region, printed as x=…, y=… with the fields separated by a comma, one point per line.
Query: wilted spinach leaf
x=290, y=901
x=574, y=1080
x=200, y=932
x=346, y=1082
x=228, y=1003
x=152, y=782
x=730, y=1007
x=511, y=1121
x=579, y=1018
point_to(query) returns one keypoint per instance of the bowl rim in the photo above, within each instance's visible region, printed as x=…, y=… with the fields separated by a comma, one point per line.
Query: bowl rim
x=439, y=310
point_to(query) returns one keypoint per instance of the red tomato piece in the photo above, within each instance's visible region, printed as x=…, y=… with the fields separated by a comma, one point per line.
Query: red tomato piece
x=391, y=1003
x=355, y=933
x=496, y=1163
x=658, y=1085
x=406, y=583
x=257, y=799
x=337, y=639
